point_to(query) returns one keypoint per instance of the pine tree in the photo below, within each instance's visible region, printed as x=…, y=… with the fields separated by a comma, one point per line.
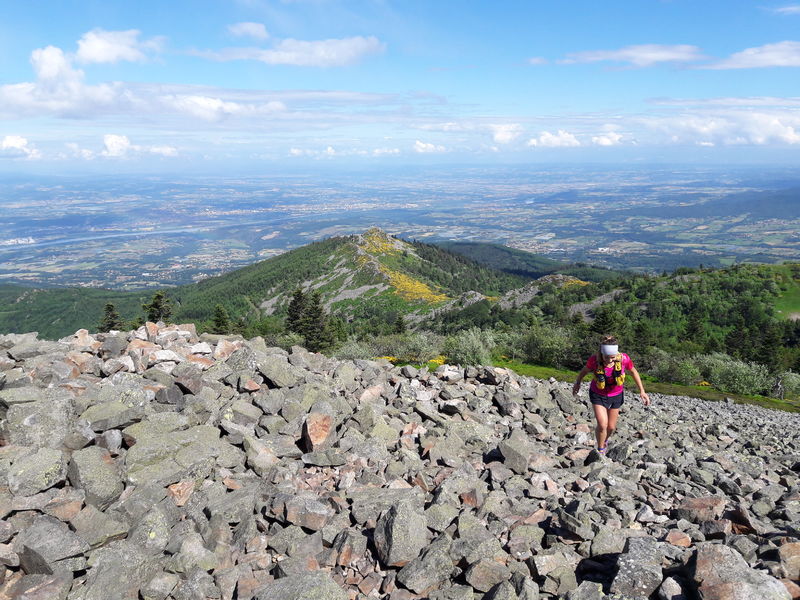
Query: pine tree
x=399, y=325
x=314, y=325
x=296, y=311
x=605, y=321
x=111, y=319
x=159, y=308
x=221, y=322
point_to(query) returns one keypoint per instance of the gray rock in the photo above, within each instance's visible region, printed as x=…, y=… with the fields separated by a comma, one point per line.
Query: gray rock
x=44, y=545
x=721, y=572
x=93, y=470
x=487, y=573
x=37, y=472
x=671, y=590
x=401, y=534
x=587, y=590
x=42, y=423
x=516, y=451
x=307, y=586
x=639, y=571
x=42, y=587
x=428, y=571
x=118, y=570
x=278, y=372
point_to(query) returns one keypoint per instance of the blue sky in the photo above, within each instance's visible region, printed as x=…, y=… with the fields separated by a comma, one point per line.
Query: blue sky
x=103, y=86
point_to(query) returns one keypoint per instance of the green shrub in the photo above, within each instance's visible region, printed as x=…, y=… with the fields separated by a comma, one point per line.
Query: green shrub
x=469, y=347
x=419, y=347
x=548, y=345
x=672, y=368
x=791, y=383
x=287, y=340
x=356, y=350
x=511, y=343
x=735, y=376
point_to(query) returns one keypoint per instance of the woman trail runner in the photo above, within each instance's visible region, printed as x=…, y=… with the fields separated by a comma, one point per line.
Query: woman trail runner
x=606, y=392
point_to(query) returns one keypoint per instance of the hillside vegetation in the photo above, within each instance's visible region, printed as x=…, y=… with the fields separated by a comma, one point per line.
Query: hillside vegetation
x=376, y=295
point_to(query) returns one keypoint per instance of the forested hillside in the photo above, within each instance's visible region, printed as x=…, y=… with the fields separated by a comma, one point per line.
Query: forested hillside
x=526, y=264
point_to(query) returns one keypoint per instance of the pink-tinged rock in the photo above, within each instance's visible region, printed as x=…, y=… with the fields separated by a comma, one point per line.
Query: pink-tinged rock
x=579, y=455
x=790, y=559
x=85, y=362
x=137, y=344
x=83, y=342
x=225, y=348
x=697, y=510
x=318, y=431
x=720, y=573
x=678, y=538
x=152, y=331
x=201, y=348
x=307, y=512
x=371, y=394
x=250, y=386
x=180, y=492
x=161, y=356
x=792, y=588
x=6, y=364
x=201, y=361
x=188, y=328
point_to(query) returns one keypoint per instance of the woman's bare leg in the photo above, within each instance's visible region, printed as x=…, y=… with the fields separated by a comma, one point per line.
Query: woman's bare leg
x=613, y=414
x=601, y=432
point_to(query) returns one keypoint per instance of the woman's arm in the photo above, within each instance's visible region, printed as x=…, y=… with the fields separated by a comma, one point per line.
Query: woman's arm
x=577, y=387
x=638, y=380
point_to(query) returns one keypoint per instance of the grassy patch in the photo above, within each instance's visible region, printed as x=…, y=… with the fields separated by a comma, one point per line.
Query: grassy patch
x=789, y=301
x=652, y=386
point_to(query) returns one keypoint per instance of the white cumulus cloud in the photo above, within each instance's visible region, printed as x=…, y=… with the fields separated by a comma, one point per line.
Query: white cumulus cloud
x=642, y=55
x=780, y=54
x=216, y=109
x=560, y=139
x=505, y=133
x=101, y=46
x=612, y=138
x=792, y=9
x=302, y=53
x=249, y=29
x=16, y=146
x=537, y=60
x=427, y=148
x=120, y=146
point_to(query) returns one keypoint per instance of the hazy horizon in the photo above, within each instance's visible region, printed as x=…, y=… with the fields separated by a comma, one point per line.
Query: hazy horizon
x=248, y=85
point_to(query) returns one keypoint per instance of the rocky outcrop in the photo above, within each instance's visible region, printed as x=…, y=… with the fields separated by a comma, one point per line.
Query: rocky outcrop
x=160, y=464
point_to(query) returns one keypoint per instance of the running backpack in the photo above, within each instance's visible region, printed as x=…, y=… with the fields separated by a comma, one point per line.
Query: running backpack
x=618, y=376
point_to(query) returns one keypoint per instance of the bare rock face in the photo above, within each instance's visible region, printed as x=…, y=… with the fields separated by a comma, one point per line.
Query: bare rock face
x=158, y=464
x=720, y=573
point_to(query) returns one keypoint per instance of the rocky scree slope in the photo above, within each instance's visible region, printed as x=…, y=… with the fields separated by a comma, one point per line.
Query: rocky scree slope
x=157, y=464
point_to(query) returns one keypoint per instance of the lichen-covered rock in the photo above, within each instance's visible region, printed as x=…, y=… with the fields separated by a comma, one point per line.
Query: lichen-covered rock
x=93, y=470
x=37, y=472
x=401, y=534
x=310, y=586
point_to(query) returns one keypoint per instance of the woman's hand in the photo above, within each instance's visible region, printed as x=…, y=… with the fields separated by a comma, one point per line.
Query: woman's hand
x=645, y=398
x=576, y=389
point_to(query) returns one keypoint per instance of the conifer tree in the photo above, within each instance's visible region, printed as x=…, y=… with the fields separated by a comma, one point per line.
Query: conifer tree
x=159, y=308
x=399, y=325
x=221, y=322
x=314, y=325
x=296, y=311
x=111, y=319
